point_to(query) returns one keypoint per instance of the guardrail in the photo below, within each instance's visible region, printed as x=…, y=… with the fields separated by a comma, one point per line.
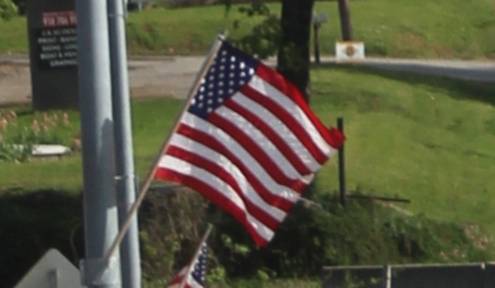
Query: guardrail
x=457, y=275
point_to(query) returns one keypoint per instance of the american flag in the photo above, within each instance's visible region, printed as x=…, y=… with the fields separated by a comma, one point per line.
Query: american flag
x=247, y=142
x=193, y=275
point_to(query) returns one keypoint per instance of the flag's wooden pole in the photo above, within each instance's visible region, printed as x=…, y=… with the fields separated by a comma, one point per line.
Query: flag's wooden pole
x=198, y=250
x=144, y=188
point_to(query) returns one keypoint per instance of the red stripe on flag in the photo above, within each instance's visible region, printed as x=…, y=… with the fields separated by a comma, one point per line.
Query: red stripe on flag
x=226, y=177
x=258, y=186
x=216, y=197
x=255, y=151
x=332, y=137
x=289, y=121
x=177, y=279
x=272, y=135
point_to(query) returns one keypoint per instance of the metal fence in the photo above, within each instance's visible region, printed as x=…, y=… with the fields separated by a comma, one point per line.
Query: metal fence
x=461, y=275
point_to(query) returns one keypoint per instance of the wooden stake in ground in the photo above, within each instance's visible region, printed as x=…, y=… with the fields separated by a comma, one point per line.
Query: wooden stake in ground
x=342, y=188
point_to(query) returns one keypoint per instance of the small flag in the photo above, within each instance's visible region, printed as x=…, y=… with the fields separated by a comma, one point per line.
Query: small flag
x=193, y=275
x=248, y=142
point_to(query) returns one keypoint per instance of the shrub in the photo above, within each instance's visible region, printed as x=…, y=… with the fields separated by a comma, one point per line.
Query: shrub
x=173, y=219
x=32, y=223
x=361, y=233
x=170, y=228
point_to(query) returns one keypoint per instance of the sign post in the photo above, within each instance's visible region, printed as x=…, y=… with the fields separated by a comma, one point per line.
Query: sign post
x=318, y=20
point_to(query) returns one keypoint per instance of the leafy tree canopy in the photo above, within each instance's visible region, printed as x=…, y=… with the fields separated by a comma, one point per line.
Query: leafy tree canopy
x=7, y=9
x=287, y=37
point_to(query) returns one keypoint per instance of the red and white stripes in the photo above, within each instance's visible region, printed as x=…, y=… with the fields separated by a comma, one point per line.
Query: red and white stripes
x=180, y=282
x=252, y=156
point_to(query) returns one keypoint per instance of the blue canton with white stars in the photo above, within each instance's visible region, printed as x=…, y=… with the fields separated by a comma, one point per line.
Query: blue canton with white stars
x=230, y=70
x=199, y=270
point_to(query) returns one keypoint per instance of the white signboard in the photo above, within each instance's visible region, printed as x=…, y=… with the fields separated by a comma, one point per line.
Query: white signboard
x=53, y=270
x=349, y=51
x=50, y=150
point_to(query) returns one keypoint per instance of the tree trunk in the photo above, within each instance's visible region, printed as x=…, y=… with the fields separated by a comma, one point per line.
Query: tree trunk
x=345, y=20
x=293, y=53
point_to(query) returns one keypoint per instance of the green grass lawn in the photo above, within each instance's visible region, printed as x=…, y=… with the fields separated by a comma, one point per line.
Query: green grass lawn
x=13, y=35
x=443, y=28
x=426, y=139
x=153, y=119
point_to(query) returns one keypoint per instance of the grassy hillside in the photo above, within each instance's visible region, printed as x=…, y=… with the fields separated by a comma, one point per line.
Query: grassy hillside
x=444, y=28
x=13, y=35
x=423, y=138
x=426, y=139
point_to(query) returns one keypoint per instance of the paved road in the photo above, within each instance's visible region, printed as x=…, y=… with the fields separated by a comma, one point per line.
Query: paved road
x=482, y=71
x=150, y=77
x=172, y=76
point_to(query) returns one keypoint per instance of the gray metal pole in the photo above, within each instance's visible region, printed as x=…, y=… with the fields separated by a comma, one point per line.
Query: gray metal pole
x=99, y=201
x=126, y=184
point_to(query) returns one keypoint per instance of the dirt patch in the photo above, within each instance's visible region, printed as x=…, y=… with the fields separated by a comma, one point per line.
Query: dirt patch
x=16, y=84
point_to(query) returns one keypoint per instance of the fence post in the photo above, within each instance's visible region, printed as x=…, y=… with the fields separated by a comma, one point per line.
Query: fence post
x=485, y=268
x=342, y=188
x=387, y=276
